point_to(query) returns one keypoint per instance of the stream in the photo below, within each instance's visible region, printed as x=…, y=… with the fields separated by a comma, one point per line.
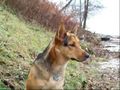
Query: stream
x=109, y=69
x=112, y=46
x=112, y=64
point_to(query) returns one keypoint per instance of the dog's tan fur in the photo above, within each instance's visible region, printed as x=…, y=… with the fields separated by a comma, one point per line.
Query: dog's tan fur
x=48, y=69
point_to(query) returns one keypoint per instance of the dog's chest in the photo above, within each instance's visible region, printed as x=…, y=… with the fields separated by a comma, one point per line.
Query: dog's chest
x=56, y=77
x=55, y=81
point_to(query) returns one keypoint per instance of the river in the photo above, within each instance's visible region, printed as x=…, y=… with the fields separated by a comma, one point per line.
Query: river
x=109, y=69
x=112, y=46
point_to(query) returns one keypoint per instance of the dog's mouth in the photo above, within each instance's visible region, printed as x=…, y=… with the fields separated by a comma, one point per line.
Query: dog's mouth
x=75, y=59
x=78, y=60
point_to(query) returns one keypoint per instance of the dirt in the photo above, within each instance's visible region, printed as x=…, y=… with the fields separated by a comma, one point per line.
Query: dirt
x=14, y=73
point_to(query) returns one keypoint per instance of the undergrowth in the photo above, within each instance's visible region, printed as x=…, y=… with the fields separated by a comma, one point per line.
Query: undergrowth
x=20, y=42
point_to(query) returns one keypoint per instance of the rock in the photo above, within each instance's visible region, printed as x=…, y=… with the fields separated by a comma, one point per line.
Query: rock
x=105, y=38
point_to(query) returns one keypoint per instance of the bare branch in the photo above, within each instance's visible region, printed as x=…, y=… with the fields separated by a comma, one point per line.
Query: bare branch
x=66, y=6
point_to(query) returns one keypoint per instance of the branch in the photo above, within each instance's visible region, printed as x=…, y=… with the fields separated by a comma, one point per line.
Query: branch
x=66, y=5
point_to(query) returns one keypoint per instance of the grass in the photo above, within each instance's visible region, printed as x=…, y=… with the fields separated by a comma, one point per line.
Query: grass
x=19, y=37
x=74, y=78
x=2, y=86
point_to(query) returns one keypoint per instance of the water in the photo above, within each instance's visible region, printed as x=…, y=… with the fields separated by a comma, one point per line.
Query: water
x=112, y=64
x=112, y=45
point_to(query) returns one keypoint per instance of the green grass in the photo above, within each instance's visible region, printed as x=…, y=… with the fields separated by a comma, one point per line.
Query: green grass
x=2, y=86
x=75, y=78
x=17, y=37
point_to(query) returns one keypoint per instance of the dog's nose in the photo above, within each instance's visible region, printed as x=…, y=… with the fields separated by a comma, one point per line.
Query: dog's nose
x=87, y=56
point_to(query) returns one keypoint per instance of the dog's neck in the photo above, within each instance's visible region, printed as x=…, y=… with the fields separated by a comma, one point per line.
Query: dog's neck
x=53, y=61
x=52, y=58
x=57, y=60
x=58, y=63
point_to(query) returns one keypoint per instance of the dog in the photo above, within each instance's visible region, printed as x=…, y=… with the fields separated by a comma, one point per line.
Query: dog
x=48, y=70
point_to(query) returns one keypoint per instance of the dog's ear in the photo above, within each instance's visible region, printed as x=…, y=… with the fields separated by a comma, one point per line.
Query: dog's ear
x=75, y=30
x=61, y=33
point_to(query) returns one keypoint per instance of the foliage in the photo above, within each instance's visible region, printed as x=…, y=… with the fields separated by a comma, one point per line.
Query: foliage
x=42, y=12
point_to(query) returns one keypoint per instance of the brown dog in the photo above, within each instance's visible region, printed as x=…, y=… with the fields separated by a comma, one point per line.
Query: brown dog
x=48, y=69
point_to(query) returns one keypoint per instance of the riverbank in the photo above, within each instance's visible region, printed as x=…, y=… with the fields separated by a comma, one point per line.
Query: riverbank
x=106, y=74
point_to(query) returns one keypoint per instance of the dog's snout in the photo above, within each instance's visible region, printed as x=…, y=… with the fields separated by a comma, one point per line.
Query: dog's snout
x=87, y=56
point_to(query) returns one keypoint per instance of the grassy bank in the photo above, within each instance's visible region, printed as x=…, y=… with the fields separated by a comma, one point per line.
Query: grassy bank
x=20, y=42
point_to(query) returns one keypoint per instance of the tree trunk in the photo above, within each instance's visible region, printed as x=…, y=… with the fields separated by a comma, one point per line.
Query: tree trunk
x=86, y=4
x=80, y=15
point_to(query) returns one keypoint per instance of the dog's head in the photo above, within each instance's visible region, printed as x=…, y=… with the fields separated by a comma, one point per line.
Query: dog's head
x=68, y=45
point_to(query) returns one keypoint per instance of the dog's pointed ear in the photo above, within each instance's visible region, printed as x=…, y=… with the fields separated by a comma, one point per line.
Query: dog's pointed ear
x=75, y=30
x=60, y=34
